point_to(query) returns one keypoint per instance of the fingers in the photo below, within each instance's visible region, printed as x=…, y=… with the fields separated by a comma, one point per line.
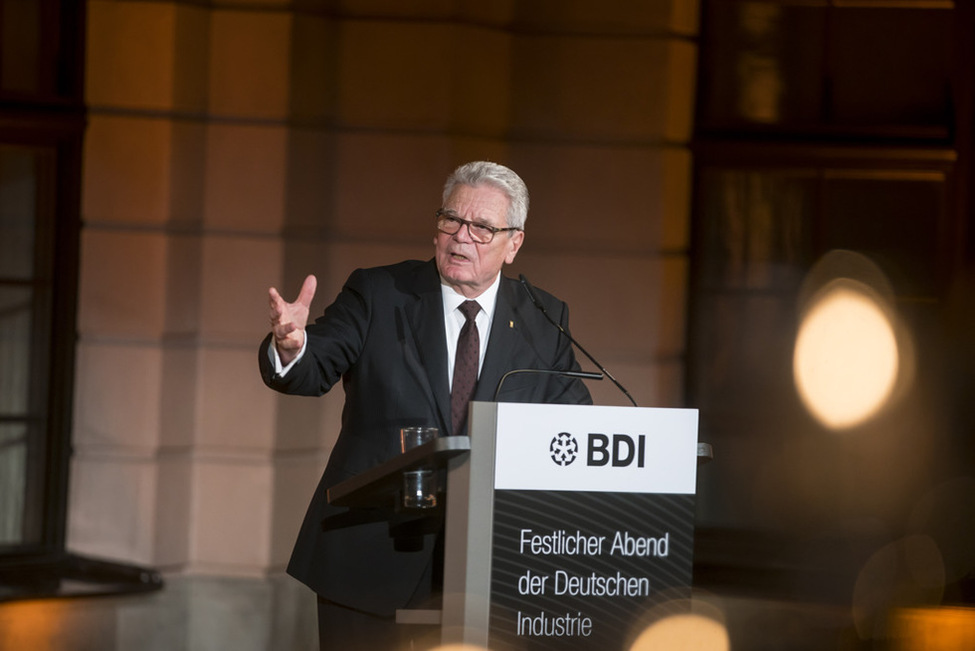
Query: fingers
x=305, y=295
x=281, y=331
x=276, y=303
x=287, y=317
x=307, y=292
x=274, y=296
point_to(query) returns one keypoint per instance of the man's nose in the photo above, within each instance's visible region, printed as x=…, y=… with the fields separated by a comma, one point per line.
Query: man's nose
x=463, y=234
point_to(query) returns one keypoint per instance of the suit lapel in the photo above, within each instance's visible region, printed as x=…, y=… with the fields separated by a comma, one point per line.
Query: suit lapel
x=504, y=344
x=426, y=322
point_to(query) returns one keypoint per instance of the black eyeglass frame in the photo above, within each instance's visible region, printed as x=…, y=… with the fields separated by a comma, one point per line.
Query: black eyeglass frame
x=443, y=214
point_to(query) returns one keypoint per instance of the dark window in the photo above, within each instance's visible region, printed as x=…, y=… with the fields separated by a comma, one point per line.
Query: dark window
x=857, y=69
x=25, y=326
x=41, y=127
x=42, y=121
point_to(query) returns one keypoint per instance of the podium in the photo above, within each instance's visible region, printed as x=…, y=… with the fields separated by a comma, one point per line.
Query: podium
x=565, y=525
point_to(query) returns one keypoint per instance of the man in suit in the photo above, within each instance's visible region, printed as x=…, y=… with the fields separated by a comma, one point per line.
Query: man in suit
x=391, y=336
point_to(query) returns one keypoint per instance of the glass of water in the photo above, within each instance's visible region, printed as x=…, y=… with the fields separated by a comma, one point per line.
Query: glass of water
x=419, y=486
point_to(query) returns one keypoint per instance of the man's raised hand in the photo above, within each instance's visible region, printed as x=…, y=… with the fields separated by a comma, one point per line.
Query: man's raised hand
x=288, y=320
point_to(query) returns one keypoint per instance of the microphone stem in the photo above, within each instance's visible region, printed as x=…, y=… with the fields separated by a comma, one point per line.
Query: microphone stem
x=593, y=360
x=531, y=295
x=582, y=375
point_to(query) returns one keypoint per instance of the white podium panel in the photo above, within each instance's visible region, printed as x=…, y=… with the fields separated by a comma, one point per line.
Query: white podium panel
x=578, y=521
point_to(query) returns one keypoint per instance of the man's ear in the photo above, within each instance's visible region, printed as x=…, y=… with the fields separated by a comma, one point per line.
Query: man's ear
x=514, y=244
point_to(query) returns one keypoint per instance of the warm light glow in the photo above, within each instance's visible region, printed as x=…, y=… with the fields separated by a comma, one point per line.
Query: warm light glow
x=934, y=629
x=846, y=355
x=683, y=633
x=459, y=647
x=35, y=625
x=906, y=572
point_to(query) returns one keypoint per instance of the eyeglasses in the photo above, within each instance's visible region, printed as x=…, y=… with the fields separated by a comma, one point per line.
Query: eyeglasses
x=449, y=223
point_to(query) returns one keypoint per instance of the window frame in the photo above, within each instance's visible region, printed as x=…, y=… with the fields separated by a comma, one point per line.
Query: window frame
x=52, y=116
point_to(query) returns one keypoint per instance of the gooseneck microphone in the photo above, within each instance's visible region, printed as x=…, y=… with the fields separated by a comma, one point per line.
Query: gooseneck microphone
x=536, y=303
x=582, y=375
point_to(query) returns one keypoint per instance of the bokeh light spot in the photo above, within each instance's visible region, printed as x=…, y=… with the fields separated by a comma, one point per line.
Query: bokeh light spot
x=683, y=633
x=846, y=355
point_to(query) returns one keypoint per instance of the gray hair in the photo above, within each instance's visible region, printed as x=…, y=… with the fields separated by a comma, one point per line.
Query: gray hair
x=485, y=172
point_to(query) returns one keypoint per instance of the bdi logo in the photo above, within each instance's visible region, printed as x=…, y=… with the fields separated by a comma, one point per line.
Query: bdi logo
x=620, y=450
x=564, y=448
x=625, y=451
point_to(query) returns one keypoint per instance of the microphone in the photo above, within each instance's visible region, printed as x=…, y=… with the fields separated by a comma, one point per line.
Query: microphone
x=536, y=303
x=582, y=375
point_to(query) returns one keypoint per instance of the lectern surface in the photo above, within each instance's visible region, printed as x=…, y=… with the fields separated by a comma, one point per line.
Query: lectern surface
x=378, y=486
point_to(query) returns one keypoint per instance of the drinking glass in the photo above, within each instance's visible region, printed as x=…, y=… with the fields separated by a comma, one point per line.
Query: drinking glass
x=419, y=486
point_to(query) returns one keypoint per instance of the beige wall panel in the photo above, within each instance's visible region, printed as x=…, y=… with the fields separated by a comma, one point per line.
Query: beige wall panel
x=302, y=256
x=480, y=80
x=310, y=181
x=127, y=165
x=245, y=177
x=178, y=399
x=172, y=510
x=231, y=516
x=496, y=12
x=389, y=187
x=609, y=16
x=595, y=199
x=190, y=69
x=467, y=148
x=117, y=393
x=112, y=507
x=686, y=18
x=397, y=9
x=344, y=258
x=314, y=50
x=268, y=4
x=235, y=410
x=131, y=51
x=654, y=384
x=236, y=275
x=187, y=173
x=620, y=306
x=678, y=94
x=590, y=87
x=184, y=265
x=123, y=284
x=249, y=63
x=395, y=75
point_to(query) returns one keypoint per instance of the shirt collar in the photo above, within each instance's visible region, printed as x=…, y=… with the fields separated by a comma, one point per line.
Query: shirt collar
x=487, y=299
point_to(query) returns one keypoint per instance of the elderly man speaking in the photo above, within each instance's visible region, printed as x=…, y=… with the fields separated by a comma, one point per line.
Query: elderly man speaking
x=413, y=343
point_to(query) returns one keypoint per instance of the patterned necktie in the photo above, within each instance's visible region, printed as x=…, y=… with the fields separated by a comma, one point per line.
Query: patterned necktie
x=465, y=367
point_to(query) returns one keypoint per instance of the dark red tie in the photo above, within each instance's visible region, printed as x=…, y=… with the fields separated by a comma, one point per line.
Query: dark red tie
x=465, y=367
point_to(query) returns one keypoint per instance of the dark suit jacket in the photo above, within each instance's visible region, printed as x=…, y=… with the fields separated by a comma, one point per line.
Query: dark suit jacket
x=384, y=338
